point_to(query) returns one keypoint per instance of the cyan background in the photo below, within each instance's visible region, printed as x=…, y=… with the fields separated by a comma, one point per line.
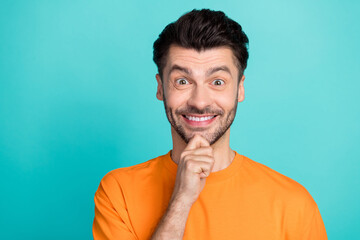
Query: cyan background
x=77, y=99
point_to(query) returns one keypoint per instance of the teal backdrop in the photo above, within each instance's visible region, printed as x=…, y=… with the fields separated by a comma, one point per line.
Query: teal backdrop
x=77, y=99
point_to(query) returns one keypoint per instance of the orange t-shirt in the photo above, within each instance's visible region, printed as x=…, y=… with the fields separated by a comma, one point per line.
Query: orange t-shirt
x=247, y=200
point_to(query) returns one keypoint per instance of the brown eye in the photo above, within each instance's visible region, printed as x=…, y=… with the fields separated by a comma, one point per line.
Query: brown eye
x=218, y=82
x=182, y=81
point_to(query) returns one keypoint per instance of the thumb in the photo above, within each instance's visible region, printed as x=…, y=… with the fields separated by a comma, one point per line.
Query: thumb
x=197, y=142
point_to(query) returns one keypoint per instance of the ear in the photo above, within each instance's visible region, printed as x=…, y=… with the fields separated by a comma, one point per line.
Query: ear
x=159, y=92
x=241, y=90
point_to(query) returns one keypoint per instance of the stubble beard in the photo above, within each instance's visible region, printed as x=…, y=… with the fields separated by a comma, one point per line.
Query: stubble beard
x=211, y=137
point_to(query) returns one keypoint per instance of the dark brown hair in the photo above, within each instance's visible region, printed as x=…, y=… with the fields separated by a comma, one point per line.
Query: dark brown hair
x=201, y=30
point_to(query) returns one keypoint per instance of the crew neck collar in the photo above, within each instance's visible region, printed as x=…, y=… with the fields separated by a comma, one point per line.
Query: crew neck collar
x=214, y=177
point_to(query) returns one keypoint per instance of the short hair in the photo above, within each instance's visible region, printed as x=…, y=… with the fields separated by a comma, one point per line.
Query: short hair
x=201, y=30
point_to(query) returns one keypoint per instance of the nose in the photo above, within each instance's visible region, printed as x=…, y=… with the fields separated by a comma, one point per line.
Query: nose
x=200, y=97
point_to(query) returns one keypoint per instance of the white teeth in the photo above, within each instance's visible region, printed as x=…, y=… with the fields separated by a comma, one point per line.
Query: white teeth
x=199, y=119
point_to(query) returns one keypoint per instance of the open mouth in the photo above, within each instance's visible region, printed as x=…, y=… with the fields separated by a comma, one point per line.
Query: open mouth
x=198, y=120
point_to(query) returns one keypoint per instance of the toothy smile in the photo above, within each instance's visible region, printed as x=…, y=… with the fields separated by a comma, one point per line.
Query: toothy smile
x=199, y=119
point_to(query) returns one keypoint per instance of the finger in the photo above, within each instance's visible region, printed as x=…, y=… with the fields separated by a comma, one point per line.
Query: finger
x=196, y=142
x=207, y=151
x=203, y=170
x=198, y=158
x=203, y=175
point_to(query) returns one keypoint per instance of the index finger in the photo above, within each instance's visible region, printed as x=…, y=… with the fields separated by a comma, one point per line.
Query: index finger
x=196, y=142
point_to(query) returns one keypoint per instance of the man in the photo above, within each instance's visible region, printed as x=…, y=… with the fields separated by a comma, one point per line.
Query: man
x=202, y=189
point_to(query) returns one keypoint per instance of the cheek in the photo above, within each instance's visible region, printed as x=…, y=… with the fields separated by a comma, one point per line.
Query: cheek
x=176, y=97
x=226, y=100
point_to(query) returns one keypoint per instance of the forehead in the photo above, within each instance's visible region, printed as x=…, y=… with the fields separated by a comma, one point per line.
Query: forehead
x=201, y=60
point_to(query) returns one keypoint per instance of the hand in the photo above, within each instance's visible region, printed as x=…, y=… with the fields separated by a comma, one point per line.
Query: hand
x=195, y=165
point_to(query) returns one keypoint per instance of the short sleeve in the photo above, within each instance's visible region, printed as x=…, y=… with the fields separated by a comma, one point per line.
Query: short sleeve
x=111, y=218
x=315, y=230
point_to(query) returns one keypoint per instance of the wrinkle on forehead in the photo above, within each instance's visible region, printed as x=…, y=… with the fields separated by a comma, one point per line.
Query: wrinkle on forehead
x=208, y=73
x=201, y=62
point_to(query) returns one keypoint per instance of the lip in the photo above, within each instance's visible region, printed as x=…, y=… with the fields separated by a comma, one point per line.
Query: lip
x=203, y=123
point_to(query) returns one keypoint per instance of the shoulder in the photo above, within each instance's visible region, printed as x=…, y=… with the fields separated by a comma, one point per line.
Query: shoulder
x=128, y=187
x=137, y=175
x=281, y=187
x=133, y=173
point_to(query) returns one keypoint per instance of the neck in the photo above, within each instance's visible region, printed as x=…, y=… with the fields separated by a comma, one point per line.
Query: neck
x=223, y=154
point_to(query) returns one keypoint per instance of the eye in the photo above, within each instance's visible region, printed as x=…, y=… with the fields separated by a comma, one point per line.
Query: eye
x=182, y=81
x=218, y=82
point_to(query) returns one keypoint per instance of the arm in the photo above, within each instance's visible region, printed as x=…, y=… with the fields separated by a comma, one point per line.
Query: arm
x=315, y=228
x=172, y=224
x=111, y=222
x=194, y=166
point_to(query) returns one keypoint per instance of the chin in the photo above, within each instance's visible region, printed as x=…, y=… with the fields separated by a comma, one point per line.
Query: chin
x=211, y=138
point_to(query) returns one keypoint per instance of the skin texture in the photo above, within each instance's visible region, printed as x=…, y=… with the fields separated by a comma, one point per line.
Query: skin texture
x=191, y=90
x=194, y=85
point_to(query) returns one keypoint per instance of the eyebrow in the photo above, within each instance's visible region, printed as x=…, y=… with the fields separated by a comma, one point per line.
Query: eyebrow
x=179, y=68
x=216, y=69
x=208, y=72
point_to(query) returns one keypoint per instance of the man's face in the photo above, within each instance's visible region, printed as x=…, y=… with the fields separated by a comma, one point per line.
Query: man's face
x=200, y=91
